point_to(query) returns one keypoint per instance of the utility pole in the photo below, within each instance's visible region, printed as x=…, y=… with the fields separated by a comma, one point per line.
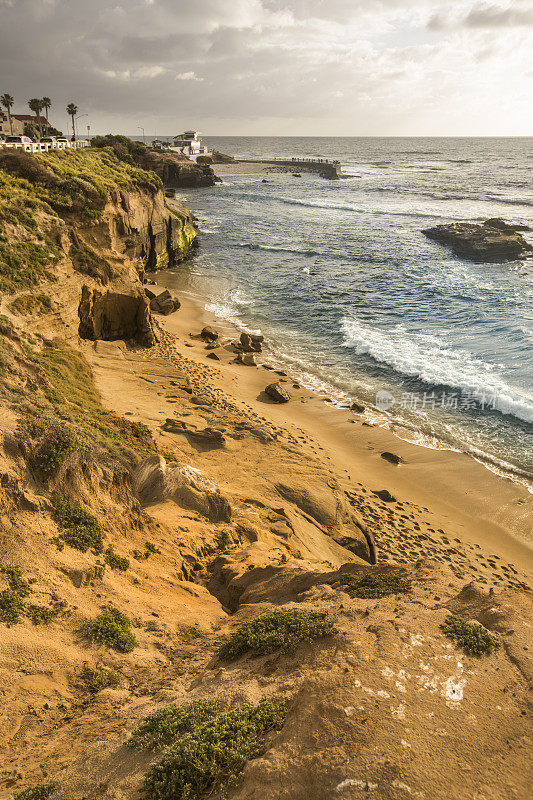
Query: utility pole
x=142, y=129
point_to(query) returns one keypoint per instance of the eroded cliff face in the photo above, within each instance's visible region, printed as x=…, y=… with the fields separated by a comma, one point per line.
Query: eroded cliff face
x=143, y=228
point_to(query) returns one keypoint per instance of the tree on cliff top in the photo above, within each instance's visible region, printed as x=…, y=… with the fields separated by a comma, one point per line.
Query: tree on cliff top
x=125, y=149
x=72, y=110
x=7, y=101
x=36, y=105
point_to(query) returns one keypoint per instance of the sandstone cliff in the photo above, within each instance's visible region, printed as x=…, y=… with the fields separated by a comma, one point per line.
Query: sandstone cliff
x=192, y=608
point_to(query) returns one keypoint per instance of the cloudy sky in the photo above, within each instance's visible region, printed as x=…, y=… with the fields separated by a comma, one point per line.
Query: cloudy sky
x=275, y=67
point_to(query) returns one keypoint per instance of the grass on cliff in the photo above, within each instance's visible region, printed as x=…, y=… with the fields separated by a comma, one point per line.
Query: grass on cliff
x=94, y=679
x=373, y=586
x=57, y=183
x=112, y=628
x=78, y=528
x=165, y=725
x=211, y=755
x=40, y=792
x=31, y=304
x=283, y=629
x=69, y=415
x=473, y=638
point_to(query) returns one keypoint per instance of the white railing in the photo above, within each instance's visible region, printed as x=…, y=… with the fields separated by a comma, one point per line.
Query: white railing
x=44, y=147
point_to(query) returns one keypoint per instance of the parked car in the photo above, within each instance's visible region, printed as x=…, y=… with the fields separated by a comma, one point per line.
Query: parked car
x=18, y=140
x=49, y=140
x=62, y=140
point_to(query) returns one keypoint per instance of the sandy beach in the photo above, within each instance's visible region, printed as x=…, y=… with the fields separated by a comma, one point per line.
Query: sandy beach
x=471, y=516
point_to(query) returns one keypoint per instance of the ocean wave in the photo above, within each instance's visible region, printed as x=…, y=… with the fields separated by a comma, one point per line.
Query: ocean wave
x=280, y=249
x=325, y=206
x=437, y=363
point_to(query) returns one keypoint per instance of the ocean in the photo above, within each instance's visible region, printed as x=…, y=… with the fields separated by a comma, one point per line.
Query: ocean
x=351, y=295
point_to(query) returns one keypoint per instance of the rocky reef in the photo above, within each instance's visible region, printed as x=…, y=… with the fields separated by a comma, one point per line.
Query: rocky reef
x=494, y=240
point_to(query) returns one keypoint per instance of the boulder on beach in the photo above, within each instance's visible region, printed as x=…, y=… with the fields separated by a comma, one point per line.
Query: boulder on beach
x=251, y=342
x=208, y=437
x=392, y=458
x=246, y=358
x=277, y=393
x=495, y=240
x=209, y=334
x=164, y=303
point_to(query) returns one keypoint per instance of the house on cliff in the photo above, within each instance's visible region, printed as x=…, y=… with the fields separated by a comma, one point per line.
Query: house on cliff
x=189, y=144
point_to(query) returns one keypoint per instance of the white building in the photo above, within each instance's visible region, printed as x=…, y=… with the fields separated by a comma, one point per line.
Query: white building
x=190, y=145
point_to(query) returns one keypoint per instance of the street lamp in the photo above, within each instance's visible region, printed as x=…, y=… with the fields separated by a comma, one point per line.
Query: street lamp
x=142, y=129
x=79, y=116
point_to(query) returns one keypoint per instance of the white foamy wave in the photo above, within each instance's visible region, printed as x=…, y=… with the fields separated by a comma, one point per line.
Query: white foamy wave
x=278, y=249
x=437, y=363
x=228, y=309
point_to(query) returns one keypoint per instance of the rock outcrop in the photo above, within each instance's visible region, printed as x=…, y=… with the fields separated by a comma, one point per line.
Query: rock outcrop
x=164, y=303
x=114, y=315
x=177, y=171
x=154, y=481
x=494, y=240
x=277, y=393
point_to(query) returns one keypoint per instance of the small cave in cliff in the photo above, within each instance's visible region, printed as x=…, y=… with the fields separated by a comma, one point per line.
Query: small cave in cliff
x=115, y=315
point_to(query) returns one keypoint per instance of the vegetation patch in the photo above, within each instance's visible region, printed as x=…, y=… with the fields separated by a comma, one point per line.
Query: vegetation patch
x=11, y=607
x=164, y=726
x=40, y=792
x=15, y=580
x=73, y=398
x=373, y=586
x=115, y=561
x=283, y=629
x=79, y=528
x=212, y=755
x=112, y=628
x=95, y=679
x=474, y=639
x=42, y=615
x=88, y=262
x=31, y=304
x=57, y=441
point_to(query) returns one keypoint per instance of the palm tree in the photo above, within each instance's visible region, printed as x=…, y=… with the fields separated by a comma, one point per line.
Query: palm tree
x=7, y=101
x=72, y=110
x=36, y=106
x=46, y=105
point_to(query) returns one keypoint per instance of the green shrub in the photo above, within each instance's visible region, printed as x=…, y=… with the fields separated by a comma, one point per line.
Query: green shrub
x=11, y=607
x=40, y=792
x=375, y=585
x=79, y=528
x=42, y=615
x=113, y=628
x=115, y=561
x=58, y=441
x=15, y=580
x=214, y=753
x=94, y=680
x=472, y=637
x=165, y=725
x=280, y=629
x=151, y=549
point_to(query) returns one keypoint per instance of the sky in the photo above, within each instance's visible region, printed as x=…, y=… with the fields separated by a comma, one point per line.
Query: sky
x=275, y=67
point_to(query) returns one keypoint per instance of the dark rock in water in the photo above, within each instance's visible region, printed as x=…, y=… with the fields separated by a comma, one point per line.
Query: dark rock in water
x=392, y=458
x=209, y=334
x=495, y=240
x=385, y=495
x=164, y=303
x=213, y=356
x=357, y=407
x=264, y=180
x=502, y=225
x=277, y=393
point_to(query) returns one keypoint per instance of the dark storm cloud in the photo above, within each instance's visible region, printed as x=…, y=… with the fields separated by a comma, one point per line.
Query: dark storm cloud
x=359, y=63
